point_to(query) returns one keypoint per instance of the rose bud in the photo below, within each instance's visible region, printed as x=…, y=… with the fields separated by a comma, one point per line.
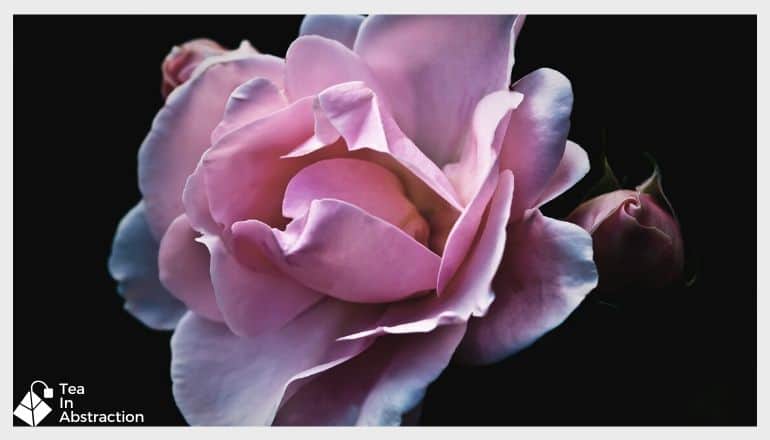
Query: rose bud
x=181, y=62
x=636, y=237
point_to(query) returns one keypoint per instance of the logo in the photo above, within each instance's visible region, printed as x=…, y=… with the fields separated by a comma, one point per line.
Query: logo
x=32, y=409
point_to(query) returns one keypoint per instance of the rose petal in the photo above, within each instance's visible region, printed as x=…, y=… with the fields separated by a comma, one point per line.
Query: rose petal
x=590, y=215
x=133, y=264
x=343, y=251
x=315, y=63
x=258, y=298
x=244, y=175
x=537, y=133
x=364, y=184
x=436, y=68
x=222, y=379
x=342, y=28
x=252, y=100
x=574, y=165
x=469, y=293
x=546, y=272
x=489, y=124
x=475, y=176
x=376, y=387
x=352, y=111
x=184, y=269
x=181, y=131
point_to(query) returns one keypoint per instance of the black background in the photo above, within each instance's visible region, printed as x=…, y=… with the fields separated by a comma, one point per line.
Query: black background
x=682, y=88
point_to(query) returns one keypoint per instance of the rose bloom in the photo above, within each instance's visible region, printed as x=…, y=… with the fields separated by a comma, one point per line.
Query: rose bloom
x=325, y=232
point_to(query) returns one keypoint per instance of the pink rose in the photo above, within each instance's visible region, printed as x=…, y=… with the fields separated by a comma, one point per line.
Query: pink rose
x=637, y=240
x=334, y=227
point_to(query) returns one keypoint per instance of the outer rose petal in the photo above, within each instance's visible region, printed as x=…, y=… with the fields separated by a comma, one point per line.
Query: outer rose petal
x=470, y=292
x=255, y=299
x=222, y=379
x=256, y=98
x=546, y=272
x=537, y=133
x=133, y=264
x=574, y=166
x=184, y=269
x=342, y=251
x=342, y=28
x=436, y=68
x=181, y=131
x=376, y=387
x=315, y=63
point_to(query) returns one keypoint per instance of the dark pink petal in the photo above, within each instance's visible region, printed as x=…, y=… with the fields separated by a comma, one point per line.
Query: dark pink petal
x=637, y=243
x=222, y=379
x=537, y=134
x=181, y=131
x=574, y=165
x=182, y=61
x=184, y=269
x=342, y=28
x=341, y=250
x=366, y=185
x=546, y=272
x=258, y=298
x=376, y=387
x=315, y=63
x=590, y=215
x=252, y=100
x=470, y=292
x=434, y=69
x=133, y=264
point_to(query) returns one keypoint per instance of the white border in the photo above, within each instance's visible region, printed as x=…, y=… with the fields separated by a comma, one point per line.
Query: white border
x=399, y=6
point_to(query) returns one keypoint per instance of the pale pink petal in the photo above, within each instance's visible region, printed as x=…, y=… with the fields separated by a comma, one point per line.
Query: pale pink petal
x=252, y=100
x=574, y=165
x=184, y=269
x=341, y=250
x=315, y=63
x=475, y=177
x=133, y=264
x=537, y=134
x=434, y=69
x=489, y=124
x=257, y=297
x=352, y=111
x=244, y=176
x=196, y=203
x=470, y=292
x=546, y=272
x=222, y=379
x=181, y=131
x=342, y=28
x=376, y=387
x=366, y=185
